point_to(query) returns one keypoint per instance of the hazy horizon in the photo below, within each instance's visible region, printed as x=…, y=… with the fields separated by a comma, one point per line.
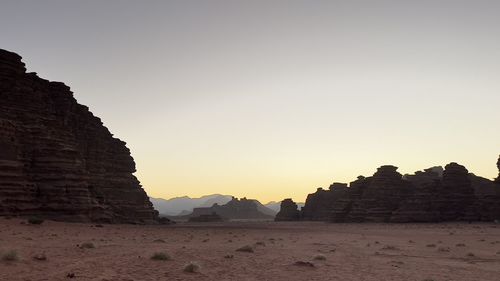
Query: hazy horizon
x=267, y=100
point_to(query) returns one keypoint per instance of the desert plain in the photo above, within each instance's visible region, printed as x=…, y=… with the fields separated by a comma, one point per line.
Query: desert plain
x=281, y=251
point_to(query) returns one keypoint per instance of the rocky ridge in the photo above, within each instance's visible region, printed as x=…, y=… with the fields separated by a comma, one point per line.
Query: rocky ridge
x=432, y=195
x=57, y=160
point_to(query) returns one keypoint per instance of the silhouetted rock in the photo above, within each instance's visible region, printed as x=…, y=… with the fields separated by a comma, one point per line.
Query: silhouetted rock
x=320, y=205
x=381, y=196
x=431, y=195
x=498, y=166
x=418, y=206
x=455, y=196
x=57, y=160
x=234, y=209
x=288, y=211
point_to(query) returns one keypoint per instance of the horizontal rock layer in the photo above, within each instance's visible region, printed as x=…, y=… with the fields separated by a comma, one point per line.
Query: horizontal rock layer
x=57, y=160
x=432, y=195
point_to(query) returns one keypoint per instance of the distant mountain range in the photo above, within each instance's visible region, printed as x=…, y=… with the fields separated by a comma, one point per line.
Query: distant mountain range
x=181, y=206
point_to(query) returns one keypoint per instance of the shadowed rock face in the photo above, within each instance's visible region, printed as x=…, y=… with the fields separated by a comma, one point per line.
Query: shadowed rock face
x=235, y=209
x=498, y=166
x=288, y=211
x=57, y=160
x=432, y=195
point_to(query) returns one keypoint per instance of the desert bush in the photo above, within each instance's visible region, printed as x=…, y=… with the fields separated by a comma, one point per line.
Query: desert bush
x=443, y=249
x=192, y=267
x=35, y=220
x=10, y=256
x=431, y=245
x=87, y=245
x=161, y=256
x=319, y=257
x=389, y=247
x=247, y=248
x=40, y=257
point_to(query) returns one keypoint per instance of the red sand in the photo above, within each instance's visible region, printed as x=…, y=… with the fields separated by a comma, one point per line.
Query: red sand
x=352, y=251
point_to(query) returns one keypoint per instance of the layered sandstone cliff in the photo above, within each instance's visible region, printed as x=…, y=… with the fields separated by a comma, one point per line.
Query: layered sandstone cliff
x=432, y=195
x=57, y=160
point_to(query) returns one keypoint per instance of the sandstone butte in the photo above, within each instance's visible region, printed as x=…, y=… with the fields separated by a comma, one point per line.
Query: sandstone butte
x=57, y=160
x=432, y=195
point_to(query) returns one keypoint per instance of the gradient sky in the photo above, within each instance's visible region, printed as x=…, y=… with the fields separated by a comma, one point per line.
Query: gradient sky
x=271, y=99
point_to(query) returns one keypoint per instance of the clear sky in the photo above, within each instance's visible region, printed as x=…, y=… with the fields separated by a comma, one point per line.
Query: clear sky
x=271, y=99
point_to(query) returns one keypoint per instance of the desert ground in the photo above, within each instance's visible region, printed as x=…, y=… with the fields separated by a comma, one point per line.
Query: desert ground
x=281, y=251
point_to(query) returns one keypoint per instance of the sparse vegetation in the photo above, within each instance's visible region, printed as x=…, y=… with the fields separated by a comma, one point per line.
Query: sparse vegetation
x=443, y=249
x=87, y=245
x=389, y=247
x=10, y=256
x=247, y=248
x=431, y=245
x=460, y=245
x=159, y=241
x=304, y=263
x=192, y=267
x=319, y=257
x=40, y=257
x=161, y=256
x=35, y=220
x=471, y=255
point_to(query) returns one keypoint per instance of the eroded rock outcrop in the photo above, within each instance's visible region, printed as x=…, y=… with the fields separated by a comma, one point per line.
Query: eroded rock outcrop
x=57, y=160
x=432, y=195
x=498, y=166
x=235, y=209
x=289, y=211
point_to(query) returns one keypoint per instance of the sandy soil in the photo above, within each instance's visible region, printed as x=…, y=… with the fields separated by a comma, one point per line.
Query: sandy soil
x=352, y=251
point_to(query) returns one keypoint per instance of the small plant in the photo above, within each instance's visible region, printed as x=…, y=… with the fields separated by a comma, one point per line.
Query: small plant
x=443, y=249
x=40, y=257
x=87, y=245
x=304, y=263
x=192, y=267
x=10, y=256
x=431, y=245
x=35, y=220
x=247, y=248
x=460, y=245
x=160, y=256
x=319, y=257
x=260, y=243
x=228, y=256
x=159, y=241
x=471, y=255
x=389, y=247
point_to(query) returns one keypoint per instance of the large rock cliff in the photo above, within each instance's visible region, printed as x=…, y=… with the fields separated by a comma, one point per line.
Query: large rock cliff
x=57, y=160
x=432, y=195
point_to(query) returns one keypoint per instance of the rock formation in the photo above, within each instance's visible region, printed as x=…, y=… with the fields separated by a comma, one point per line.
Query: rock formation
x=213, y=217
x=57, y=160
x=288, y=211
x=498, y=166
x=432, y=195
x=234, y=209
